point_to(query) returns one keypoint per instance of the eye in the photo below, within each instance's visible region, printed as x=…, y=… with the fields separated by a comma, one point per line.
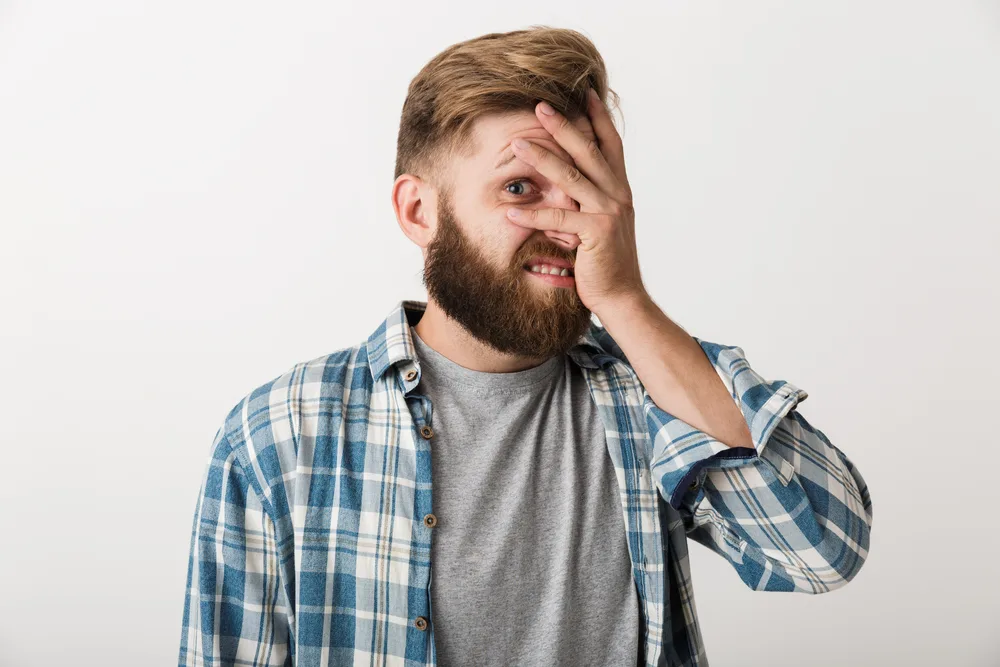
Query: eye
x=519, y=181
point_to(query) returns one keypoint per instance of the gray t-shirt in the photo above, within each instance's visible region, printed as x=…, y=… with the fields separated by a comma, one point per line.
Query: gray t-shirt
x=529, y=560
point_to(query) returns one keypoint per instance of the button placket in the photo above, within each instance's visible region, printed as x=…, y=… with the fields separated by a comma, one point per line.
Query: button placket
x=429, y=520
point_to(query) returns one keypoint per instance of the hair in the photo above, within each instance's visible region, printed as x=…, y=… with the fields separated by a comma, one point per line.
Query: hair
x=493, y=73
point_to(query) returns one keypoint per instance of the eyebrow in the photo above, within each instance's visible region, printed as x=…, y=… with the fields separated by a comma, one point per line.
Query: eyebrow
x=505, y=158
x=504, y=161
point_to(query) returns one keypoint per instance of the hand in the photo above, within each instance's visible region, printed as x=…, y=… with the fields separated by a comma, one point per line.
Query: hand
x=607, y=262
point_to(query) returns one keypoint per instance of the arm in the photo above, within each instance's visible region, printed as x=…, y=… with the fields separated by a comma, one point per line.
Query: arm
x=674, y=369
x=791, y=512
x=235, y=610
x=784, y=506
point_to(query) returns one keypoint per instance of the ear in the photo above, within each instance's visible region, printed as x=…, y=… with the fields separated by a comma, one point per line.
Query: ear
x=413, y=204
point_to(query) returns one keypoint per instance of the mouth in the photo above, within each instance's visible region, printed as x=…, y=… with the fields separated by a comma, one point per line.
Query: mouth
x=559, y=276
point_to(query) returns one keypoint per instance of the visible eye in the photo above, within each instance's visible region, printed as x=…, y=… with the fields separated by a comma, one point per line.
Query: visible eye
x=519, y=181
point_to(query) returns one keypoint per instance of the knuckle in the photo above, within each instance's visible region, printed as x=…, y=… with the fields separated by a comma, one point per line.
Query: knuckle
x=594, y=151
x=622, y=208
x=573, y=175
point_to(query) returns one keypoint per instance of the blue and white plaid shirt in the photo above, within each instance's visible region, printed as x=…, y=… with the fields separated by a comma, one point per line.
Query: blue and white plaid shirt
x=312, y=534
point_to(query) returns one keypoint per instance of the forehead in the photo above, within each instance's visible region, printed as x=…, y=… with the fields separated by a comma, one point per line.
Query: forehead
x=493, y=134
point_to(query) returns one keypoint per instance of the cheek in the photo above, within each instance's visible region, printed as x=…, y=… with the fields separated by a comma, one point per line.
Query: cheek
x=504, y=240
x=512, y=243
x=514, y=236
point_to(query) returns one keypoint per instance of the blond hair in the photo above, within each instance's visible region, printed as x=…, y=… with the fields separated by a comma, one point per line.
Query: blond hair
x=493, y=73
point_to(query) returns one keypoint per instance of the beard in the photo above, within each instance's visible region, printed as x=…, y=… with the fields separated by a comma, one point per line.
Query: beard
x=499, y=306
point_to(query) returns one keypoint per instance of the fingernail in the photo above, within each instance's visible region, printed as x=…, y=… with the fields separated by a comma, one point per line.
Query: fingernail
x=513, y=212
x=546, y=109
x=520, y=143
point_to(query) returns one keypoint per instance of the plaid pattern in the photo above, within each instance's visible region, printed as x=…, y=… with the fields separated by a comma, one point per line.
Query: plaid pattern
x=309, y=544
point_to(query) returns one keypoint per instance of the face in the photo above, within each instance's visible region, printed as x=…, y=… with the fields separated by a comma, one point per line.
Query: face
x=475, y=267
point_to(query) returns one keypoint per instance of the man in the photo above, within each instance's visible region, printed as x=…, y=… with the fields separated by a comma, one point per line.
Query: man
x=492, y=478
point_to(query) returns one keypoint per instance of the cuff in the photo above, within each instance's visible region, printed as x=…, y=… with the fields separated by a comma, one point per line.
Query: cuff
x=682, y=455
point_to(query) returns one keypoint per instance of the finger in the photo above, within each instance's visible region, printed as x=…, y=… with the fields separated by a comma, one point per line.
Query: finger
x=586, y=153
x=569, y=179
x=551, y=219
x=607, y=135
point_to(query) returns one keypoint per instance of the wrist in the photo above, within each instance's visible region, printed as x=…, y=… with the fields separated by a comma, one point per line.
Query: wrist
x=625, y=309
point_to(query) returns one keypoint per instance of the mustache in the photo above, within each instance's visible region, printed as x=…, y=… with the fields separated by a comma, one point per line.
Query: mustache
x=546, y=250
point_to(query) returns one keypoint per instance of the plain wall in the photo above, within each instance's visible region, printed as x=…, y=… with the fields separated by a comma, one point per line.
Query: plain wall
x=196, y=196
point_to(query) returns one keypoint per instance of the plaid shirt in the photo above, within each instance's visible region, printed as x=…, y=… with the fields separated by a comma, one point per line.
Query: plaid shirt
x=311, y=541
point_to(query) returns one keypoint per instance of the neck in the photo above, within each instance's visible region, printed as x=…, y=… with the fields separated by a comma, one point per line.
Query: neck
x=450, y=339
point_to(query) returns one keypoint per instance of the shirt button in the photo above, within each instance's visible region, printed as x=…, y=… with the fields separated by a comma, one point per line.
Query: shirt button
x=426, y=431
x=693, y=485
x=411, y=374
x=430, y=521
x=420, y=622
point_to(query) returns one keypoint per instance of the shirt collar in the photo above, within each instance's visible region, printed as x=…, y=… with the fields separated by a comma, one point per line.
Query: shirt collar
x=391, y=343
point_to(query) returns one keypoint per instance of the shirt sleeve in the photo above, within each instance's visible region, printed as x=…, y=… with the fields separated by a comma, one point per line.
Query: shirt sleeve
x=793, y=513
x=235, y=611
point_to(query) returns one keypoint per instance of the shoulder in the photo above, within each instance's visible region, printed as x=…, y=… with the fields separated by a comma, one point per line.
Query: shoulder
x=265, y=428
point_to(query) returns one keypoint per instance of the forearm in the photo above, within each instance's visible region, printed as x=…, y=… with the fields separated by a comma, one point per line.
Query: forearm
x=674, y=370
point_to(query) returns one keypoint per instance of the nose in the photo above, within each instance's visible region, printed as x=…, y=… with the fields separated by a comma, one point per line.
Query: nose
x=560, y=199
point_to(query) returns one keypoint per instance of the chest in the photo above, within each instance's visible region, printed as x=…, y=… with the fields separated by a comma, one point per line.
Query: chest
x=365, y=513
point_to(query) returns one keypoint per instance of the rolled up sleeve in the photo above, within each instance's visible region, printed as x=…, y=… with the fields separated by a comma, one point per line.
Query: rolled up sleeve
x=792, y=513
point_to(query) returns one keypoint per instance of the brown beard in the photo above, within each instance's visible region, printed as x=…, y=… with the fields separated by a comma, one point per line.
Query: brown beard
x=498, y=306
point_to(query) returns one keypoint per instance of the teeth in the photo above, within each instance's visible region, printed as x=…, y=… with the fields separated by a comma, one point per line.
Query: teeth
x=549, y=270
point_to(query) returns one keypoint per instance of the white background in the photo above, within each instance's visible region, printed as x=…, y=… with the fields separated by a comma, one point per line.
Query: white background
x=195, y=196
